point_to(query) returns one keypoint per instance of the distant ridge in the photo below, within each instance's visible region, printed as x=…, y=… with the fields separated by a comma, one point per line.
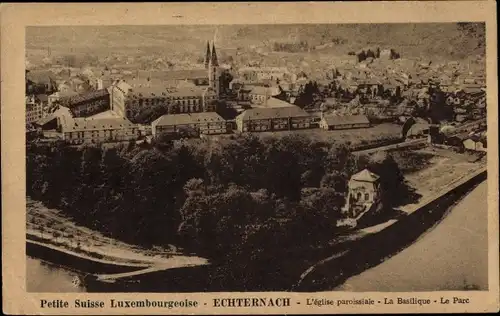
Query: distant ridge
x=454, y=40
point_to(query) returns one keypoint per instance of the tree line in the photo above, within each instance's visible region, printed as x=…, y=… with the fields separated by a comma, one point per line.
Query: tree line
x=364, y=55
x=291, y=47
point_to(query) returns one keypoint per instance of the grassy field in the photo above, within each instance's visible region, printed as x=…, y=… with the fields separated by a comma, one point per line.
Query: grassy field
x=352, y=136
x=439, y=168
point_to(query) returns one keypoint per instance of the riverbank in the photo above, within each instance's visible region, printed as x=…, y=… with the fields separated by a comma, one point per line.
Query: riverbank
x=58, y=235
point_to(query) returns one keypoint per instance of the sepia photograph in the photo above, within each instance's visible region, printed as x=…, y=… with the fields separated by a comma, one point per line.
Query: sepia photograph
x=315, y=157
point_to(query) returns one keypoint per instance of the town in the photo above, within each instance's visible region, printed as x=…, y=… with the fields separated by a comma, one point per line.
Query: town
x=98, y=105
x=214, y=155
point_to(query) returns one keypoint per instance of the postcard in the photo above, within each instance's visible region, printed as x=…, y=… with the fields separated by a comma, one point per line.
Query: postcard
x=249, y=158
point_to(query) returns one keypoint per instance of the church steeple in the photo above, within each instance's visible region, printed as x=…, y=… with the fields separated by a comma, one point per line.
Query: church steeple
x=207, y=56
x=214, y=61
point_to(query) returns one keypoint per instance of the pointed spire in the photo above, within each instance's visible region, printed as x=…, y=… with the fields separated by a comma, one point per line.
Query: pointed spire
x=207, y=56
x=214, y=56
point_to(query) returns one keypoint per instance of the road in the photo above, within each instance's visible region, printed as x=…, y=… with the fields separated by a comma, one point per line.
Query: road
x=452, y=256
x=393, y=146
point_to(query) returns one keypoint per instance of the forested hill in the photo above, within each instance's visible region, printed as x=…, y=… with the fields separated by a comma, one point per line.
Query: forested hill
x=456, y=40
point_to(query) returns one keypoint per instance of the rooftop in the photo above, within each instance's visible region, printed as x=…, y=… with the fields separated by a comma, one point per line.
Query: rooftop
x=346, y=120
x=191, y=118
x=365, y=176
x=85, y=97
x=264, y=90
x=277, y=112
x=162, y=91
x=82, y=124
x=189, y=74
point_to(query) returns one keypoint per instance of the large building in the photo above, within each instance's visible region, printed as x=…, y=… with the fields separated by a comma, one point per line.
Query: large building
x=207, y=123
x=187, y=99
x=89, y=131
x=118, y=93
x=194, y=90
x=34, y=110
x=273, y=119
x=334, y=122
x=88, y=104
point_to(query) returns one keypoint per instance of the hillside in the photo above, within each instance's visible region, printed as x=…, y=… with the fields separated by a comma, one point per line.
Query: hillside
x=413, y=40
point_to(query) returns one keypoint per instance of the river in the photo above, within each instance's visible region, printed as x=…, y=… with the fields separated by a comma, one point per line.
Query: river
x=452, y=256
x=45, y=277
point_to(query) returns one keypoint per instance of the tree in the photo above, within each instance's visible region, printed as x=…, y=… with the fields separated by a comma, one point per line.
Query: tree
x=306, y=97
x=394, y=54
x=335, y=181
x=392, y=183
x=174, y=108
x=165, y=141
x=194, y=187
x=370, y=54
x=149, y=114
x=361, y=56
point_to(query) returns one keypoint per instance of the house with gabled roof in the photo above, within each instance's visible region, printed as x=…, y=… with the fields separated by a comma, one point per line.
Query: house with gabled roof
x=273, y=119
x=364, y=194
x=90, y=131
x=335, y=122
x=207, y=123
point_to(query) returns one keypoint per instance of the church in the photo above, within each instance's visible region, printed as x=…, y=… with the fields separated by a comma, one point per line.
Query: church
x=212, y=67
x=192, y=90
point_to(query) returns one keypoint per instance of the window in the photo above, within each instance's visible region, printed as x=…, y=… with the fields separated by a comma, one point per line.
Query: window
x=367, y=196
x=358, y=196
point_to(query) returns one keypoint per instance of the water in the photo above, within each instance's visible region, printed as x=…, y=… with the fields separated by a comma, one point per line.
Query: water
x=42, y=276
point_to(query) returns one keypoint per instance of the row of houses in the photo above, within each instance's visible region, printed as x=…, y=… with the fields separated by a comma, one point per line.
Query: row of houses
x=256, y=120
x=79, y=130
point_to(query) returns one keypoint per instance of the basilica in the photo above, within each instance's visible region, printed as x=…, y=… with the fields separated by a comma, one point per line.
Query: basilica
x=189, y=90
